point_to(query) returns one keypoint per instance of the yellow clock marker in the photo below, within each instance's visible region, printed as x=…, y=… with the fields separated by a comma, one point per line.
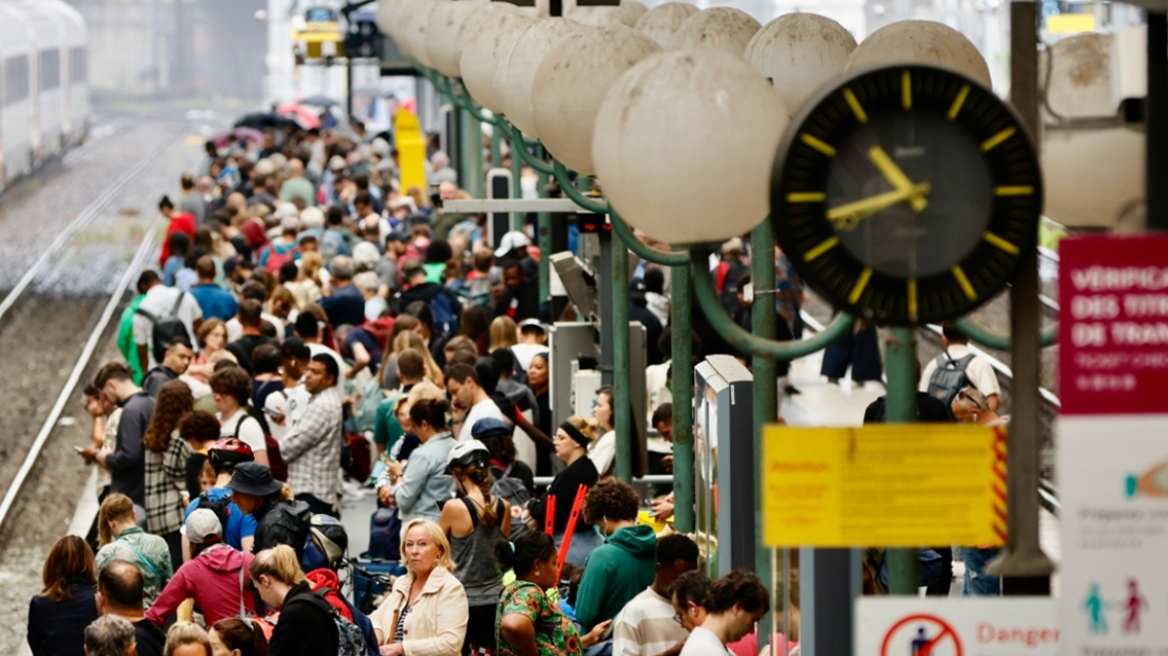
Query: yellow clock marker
x=911, y=284
x=992, y=142
x=959, y=274
x=1020, y=190
x=817, y=144
x=1001, y=243
x=861, y=115
x=906, y=90
x=822, y=248
x=806, y=197
x=955, y=108
x=861, y=283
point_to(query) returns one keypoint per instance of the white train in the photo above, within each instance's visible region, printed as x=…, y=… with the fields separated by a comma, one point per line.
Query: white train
x=44, y=99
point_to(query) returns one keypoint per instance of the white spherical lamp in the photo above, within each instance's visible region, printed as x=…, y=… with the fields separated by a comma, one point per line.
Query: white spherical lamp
x=724, y=28
x=684, y=143
x=414, y=17
x=386, y=18
x=444, y=38
x=572, y=81
x=922, y=42
x=662, y=22
x=799, y=52
x=515, y=72
x=484, y=49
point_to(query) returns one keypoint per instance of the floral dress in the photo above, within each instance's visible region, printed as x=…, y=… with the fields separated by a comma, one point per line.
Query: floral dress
x=555, y=634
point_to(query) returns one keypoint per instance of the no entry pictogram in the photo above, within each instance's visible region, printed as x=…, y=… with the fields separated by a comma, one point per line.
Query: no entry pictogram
x=932, y=636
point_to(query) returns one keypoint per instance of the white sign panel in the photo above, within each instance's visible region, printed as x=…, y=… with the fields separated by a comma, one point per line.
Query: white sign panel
x=1002, y=626
x=1114, y=493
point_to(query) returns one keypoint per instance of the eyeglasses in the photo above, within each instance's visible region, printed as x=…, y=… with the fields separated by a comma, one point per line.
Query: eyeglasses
x=964, y=394
x=677, y=618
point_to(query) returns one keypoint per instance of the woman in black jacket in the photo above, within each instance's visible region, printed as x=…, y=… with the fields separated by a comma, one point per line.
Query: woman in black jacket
x=571, y=441
x=306, y=626
x=57, y=617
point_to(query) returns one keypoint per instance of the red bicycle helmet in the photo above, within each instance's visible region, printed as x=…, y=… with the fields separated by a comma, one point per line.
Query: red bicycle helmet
x=229, y=451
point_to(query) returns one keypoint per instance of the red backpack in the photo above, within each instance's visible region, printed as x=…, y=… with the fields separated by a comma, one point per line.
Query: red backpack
x=274, y=258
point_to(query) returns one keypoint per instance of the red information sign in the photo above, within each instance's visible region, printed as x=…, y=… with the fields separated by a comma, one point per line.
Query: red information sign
x=1113, y=325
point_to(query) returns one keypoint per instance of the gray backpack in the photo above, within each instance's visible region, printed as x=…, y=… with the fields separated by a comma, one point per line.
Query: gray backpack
x=949, y=378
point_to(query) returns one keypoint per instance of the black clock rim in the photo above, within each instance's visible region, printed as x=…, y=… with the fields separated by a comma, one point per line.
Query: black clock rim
x=878, y=284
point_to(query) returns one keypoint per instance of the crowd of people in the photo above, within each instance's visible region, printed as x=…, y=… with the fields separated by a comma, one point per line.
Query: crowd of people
x=310, y=328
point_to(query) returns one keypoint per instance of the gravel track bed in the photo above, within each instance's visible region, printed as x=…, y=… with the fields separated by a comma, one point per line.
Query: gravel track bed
x=43, y=334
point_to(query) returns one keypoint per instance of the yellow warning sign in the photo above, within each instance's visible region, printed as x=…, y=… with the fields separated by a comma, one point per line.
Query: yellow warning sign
x=891, y=485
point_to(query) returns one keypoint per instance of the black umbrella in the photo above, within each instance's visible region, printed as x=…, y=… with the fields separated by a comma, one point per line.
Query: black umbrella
x=261, y=120
x=320, y=101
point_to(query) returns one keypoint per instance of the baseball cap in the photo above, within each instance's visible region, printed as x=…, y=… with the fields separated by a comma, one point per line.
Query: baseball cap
x=254, y=479
x=290, y=223
x=202, y=526
x=489, y=426
x=312, y=217
x=337, y=163
x=397, y=235
x=511, y=241
x=733, y=245
x=295, y=347
x=230, y=263
x=531, y=325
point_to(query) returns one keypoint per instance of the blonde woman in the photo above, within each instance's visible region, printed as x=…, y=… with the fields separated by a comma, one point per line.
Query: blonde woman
x=306, y=623
x=187, y=639
x=504, y=333
x=427, y=611
x=121, y=539
x=307, y=286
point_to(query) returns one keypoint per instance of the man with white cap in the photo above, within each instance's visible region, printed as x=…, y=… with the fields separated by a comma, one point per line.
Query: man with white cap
x=215, y=578
x=513, y=246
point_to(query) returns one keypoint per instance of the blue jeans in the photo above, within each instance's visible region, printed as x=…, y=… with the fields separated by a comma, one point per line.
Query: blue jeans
x=977, y=583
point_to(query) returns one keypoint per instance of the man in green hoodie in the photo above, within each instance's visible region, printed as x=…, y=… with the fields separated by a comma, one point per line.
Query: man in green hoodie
x=627, y=562
x=126, y=326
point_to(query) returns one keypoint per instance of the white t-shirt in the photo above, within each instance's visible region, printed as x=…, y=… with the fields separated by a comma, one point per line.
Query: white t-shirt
x=979, y=371
x=656, y=391
x=317, y=349
x=703, y=643
x=525, y=352
x=481, y=410
x=159, y=302
x=603, y=452
x=293, y=404
x=250, y=431
x=235, y=329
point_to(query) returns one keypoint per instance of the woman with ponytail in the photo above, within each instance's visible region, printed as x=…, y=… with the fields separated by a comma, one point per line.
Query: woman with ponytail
x=474, y=523
x=529, y=622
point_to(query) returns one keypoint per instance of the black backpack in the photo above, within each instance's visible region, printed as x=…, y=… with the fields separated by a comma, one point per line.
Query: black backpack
x=949, y=378
x=221, y=507
x=166, y=328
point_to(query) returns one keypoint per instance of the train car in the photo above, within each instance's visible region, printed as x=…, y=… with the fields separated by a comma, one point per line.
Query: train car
x=17, y=126
x=75, y=98
x=44, y=95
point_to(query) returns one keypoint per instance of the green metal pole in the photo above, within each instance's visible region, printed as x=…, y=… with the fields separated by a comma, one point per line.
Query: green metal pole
x=472, y=151
x=766, y=380
x=621, y=375
x=544, y=238
x=516, y=180
x=900, y=365
x=496, y=149
x=681, y=328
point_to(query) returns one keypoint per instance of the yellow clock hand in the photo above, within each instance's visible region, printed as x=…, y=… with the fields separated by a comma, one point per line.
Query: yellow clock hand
x=847, y=216
x=895, y=176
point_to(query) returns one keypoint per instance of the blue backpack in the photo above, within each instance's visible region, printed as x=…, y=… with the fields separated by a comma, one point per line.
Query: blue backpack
x=442, y=306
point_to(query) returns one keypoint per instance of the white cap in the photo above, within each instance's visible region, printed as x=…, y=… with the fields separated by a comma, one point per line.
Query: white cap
x=337, y=163
x=202, y=524
x=511, y=241
x=365, y=254
x=312, y=217
x=265, y=167
x=285, y=210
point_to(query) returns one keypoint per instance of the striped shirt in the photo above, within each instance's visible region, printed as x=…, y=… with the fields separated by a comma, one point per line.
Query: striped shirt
x=645, y=626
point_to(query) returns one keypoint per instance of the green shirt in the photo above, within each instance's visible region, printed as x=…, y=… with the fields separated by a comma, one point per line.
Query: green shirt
x=149, y=553
x=555, y=634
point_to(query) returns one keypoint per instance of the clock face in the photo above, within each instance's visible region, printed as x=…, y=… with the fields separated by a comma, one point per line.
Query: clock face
x=907, y=194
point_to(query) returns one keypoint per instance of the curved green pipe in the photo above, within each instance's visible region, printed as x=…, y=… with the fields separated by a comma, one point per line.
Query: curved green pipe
x=1048, y=336
x=587, y=202
x=742, y=339
x=518, y=143
x=622, y=229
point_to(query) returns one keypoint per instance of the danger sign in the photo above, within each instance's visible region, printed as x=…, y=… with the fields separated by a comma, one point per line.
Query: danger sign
x=910, y=626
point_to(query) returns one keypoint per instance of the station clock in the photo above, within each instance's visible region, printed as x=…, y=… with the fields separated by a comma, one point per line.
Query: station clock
x=906, y=194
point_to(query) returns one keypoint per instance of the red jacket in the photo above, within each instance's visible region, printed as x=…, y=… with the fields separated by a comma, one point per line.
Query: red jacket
x=180, y=222
x=212, y=579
